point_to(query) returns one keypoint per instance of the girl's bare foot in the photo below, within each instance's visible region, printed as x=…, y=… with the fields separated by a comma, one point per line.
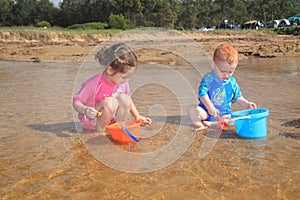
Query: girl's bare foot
x=101, y=131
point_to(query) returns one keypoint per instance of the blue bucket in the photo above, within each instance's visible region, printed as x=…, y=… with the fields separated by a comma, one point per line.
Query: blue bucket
x=253, y=127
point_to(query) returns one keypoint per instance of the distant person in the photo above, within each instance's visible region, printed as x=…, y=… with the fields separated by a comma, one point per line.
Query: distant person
x=105, y=98
x=218, y=89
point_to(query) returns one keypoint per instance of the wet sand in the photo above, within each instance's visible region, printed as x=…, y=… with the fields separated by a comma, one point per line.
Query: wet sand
x=43, y=155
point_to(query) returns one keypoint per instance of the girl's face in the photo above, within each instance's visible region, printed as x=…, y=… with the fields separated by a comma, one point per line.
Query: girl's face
x=119, y=77
x=223, y=69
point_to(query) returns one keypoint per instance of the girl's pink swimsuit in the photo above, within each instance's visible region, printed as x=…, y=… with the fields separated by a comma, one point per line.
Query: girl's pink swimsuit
x=93, y=91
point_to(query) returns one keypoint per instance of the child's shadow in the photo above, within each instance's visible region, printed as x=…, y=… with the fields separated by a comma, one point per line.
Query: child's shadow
x=229, y=135
x=68, y=129
x=64, y=129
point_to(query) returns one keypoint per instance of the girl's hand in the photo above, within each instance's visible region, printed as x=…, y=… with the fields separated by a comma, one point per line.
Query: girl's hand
x=251, y=105
x=146, y=120
x=90, y=112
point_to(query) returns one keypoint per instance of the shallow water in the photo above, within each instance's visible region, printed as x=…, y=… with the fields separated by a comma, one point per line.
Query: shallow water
x=43, y=156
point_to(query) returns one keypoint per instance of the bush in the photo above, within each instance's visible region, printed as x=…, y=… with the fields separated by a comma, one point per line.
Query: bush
x=149, y=23
x=89, y=26
x=44, y=24
x=292, y=30
x=118, y=22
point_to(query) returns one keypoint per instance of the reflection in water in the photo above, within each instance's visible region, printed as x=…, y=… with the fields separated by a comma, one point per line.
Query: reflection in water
x=42, y=156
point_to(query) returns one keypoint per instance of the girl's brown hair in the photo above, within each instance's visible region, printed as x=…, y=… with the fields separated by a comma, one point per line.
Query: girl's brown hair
x=119, y=56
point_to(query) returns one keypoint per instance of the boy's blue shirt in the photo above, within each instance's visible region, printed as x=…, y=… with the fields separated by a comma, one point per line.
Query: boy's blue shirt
x=222, y=93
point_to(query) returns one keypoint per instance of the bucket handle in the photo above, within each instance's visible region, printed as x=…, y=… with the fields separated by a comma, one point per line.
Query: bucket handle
x=125, y=130
x=231, y=122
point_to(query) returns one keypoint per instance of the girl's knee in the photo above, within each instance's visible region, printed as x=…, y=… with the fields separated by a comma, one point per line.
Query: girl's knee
x=106, y=105
x=124, y=100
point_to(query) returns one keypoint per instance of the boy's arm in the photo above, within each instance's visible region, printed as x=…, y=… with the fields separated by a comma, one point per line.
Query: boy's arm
x=209, y=106
x=246, y=104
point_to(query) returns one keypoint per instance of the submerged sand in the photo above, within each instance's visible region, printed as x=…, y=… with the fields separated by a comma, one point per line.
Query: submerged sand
x=43, y=157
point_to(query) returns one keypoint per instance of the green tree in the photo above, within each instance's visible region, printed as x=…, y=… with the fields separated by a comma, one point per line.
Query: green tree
x=71, y=12
x=100, y=10
x=189, y=15
x=24, y=12
x=6, y=7
x=45, y=11
x=118, y=22
x=148, y=7
x=130, y=9
x=162, y=13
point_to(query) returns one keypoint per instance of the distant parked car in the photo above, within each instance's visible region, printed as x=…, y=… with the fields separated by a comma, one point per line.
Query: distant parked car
x=295, y=17
x=294, y=20
x=273, y=24
x=284, y=23
x=207, y=29
x=278, y=23
x=253, y=24
x=225, y=25
x=211, y=28
x=202, y=29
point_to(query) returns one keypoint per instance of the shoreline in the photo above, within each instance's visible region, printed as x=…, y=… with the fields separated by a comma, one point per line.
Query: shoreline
x=58, y=47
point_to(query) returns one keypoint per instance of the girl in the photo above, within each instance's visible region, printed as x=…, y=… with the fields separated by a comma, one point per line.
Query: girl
x=105, y=98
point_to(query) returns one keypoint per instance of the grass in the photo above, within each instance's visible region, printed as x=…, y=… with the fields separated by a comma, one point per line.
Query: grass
x=31, y=29
x=236, y=32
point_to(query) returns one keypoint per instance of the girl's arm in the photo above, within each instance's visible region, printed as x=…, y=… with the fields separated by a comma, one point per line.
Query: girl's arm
x=246, y=104
x=86, y=91
x=136, y=114
x=90, y=112
x=79, y=107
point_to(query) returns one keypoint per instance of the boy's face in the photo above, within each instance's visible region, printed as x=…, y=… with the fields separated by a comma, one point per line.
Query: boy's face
x=223, y=69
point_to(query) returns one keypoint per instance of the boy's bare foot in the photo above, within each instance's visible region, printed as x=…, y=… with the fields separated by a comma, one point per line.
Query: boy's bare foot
x=202, y=131
x=200, y=126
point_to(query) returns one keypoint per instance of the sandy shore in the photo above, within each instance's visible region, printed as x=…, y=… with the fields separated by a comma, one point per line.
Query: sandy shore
x=43, y=157
x=75, y=48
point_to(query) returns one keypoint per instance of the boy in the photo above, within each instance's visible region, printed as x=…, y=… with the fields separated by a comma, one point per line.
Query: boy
x=218, y=89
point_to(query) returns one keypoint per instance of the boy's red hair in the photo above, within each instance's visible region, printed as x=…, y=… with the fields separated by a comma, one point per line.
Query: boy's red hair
x=226, y=52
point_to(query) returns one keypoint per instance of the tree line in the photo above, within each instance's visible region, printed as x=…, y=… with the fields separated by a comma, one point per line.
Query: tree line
x=188, y=14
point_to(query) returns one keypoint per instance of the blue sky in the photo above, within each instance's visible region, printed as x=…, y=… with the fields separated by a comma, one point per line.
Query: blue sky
x=55, y=2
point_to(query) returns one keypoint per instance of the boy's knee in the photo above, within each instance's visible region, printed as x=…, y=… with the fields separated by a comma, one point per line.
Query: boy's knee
x=190, y=108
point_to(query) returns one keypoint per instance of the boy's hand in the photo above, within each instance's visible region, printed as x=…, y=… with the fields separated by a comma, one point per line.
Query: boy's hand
x=246, y=104
x=214, y=112
x=251, y=105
